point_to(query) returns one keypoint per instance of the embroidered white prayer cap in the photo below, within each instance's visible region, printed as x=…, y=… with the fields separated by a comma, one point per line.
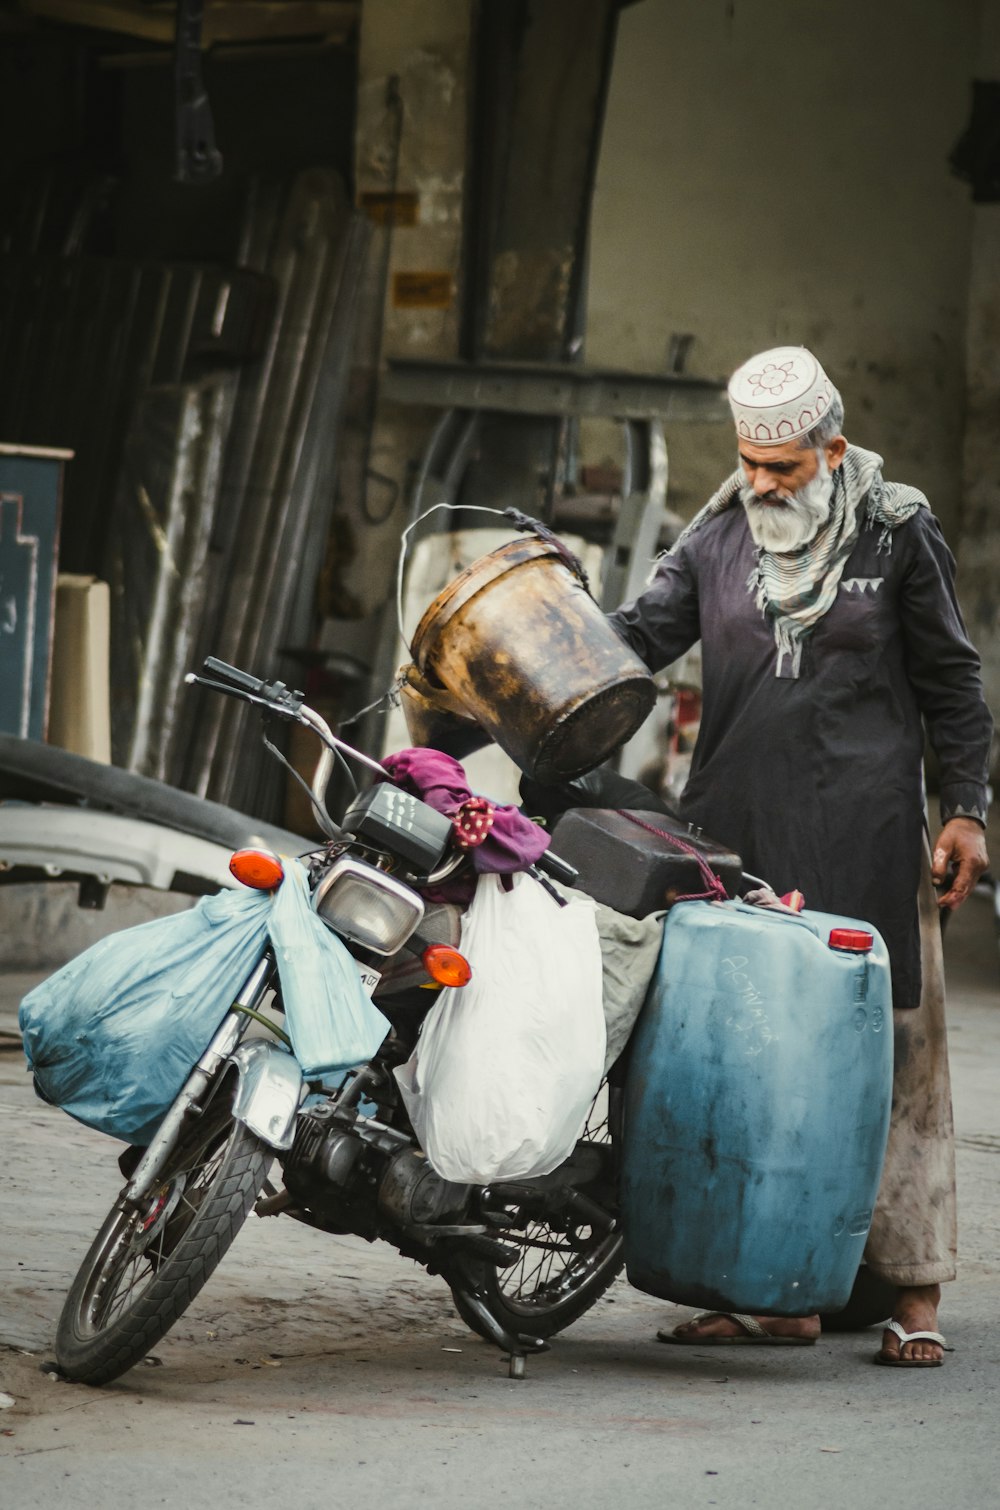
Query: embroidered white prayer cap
x=779, y=396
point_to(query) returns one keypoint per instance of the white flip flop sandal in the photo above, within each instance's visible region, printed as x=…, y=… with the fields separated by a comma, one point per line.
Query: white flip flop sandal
x=894, y=1360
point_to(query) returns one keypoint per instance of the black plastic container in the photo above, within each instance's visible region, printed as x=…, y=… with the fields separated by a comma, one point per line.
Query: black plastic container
x=638, y=862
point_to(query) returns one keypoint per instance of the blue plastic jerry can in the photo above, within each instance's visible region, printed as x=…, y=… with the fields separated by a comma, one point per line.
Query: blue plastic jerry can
x=757, y=1109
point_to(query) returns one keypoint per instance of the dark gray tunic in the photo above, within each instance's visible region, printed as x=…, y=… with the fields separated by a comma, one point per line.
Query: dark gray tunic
x=817, y=782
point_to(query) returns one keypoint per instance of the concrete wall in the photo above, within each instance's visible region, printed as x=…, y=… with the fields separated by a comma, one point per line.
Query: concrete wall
x=770, y=171
x=425, y=43
x=777, y=171
x=42, y=926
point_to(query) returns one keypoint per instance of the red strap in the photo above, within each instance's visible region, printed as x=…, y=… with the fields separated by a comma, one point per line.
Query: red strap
x=716, y=891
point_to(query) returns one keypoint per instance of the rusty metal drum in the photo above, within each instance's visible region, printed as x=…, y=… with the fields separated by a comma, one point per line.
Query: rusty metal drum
x=524, y=650
x=434, y=718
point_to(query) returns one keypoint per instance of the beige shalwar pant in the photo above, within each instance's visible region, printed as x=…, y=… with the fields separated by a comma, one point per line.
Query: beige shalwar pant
x=914, y=1233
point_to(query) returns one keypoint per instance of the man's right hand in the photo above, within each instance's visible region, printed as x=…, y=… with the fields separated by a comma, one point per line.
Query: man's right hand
x=961, y=845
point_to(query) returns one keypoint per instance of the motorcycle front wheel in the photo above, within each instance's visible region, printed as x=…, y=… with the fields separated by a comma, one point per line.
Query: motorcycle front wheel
x=146, y=1266
x=564, y=1263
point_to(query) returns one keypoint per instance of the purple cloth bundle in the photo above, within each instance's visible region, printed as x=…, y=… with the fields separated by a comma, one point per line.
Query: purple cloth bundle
x=500, y=839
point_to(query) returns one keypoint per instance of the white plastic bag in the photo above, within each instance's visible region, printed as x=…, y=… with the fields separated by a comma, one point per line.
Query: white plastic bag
x=506, y=1068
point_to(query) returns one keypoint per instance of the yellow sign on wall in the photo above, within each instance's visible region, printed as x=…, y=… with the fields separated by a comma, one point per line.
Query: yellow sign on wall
x=391, y=209
x=423, y=290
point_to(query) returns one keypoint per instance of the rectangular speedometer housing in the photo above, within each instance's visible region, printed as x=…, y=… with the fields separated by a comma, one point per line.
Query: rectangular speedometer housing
x=389, y=819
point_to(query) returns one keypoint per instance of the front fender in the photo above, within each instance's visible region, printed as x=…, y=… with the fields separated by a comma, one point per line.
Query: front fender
x=268, y=1092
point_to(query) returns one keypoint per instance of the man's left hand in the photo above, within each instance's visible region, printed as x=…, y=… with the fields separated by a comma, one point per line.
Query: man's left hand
x=961, y=846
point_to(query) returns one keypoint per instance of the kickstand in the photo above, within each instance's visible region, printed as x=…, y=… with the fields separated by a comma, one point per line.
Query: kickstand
x=515, y=1345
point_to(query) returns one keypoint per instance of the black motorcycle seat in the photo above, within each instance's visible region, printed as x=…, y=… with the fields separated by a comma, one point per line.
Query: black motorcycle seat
x=34, y=772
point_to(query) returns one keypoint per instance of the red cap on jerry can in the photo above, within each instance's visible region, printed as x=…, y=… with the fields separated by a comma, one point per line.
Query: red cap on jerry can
x=852, y=940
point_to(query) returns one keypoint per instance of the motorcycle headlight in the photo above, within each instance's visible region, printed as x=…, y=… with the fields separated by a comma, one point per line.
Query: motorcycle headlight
x=367, y=906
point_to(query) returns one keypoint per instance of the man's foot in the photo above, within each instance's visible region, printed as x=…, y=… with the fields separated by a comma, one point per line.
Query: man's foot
x=916, y=1310
x=718, y=1328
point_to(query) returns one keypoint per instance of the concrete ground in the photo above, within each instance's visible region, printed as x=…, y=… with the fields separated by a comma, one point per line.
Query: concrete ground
x=294, y=1375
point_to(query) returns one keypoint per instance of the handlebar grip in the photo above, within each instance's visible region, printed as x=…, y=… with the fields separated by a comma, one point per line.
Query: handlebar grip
x=223, y=672
x=559, y=870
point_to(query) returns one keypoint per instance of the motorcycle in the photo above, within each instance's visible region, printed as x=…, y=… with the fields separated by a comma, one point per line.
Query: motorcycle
x=523, y=1259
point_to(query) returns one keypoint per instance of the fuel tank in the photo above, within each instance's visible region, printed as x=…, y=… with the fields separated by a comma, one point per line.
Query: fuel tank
x=757, y=1109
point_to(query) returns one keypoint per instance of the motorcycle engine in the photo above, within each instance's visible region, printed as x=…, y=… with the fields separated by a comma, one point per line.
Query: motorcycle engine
x=330, y=1172
x=348, y=1186
x=411, y=1194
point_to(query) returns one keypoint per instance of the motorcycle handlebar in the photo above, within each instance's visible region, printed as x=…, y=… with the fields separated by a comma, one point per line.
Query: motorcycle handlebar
x=223, y=672
x=220, y=676
x=559, y=870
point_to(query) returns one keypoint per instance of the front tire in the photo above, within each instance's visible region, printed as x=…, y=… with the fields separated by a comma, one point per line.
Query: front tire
x=146, y=1266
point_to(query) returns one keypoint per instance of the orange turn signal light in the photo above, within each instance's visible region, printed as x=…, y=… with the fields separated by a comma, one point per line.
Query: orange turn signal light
x=445, y=965
x=258, y=868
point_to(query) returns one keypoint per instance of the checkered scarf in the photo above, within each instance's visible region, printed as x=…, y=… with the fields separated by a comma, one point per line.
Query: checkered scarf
x=794, y=590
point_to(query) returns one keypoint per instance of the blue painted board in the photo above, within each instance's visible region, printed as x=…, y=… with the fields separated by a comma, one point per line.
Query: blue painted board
x=30, y=494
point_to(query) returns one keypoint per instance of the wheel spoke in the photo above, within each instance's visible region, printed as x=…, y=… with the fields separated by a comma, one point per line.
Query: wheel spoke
x=523, y=1282
x=122, y=1289
x=146, y=1265
x=552, y=1252
x=527, y=1275
x=142, y=1256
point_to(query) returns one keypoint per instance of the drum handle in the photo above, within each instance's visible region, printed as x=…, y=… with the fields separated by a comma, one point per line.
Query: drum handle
x=522, y=523
x=525, y=525
x=474, y=508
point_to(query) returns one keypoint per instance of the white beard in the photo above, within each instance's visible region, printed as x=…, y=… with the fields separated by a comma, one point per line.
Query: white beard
x=789, y=525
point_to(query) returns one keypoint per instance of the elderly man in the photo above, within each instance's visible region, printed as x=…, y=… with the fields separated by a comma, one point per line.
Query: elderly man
x=831, y=639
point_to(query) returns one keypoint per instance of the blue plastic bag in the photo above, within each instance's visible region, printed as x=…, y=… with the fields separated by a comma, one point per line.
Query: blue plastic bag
x=330, y=1019
x=113, y=1035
